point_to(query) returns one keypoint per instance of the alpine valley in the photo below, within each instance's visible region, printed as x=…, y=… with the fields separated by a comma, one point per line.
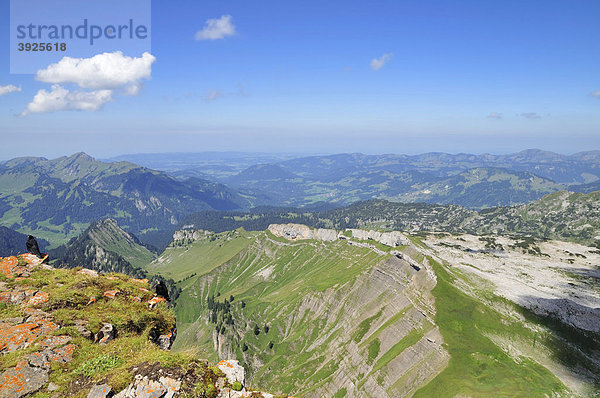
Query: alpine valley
x=344, y=275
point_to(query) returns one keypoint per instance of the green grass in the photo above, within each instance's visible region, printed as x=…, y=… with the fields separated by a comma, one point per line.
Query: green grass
x=98, y=365
x=477, y=366
x=364, y=327
x=273, y=277
x=410, y=339
x=201, y=257
x=373, y=350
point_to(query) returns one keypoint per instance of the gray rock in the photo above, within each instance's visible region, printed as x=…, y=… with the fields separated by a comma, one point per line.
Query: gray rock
x=165, y=341
x=233, y=371
x=22, y=380
x=100, y=391
x=172, y=386
x=143, y=387
x=53, y=387
x=80, y=326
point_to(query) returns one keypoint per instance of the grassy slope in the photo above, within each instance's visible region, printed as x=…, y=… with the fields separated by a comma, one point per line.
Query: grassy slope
x=180, y=261
x=297, y=270
x=478, y=367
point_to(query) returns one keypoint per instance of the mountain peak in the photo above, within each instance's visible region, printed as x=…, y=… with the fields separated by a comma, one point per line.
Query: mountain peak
x=81, y=156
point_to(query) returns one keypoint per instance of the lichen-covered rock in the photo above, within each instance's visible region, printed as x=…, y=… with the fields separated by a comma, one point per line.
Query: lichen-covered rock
x=100, y=391
x=233, y=371
x=22, y=380
x=111, y=294
x=155, y=300
x=145, y=387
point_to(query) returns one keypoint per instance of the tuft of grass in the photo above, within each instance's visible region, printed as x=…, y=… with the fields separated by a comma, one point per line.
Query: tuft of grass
x=98, y=366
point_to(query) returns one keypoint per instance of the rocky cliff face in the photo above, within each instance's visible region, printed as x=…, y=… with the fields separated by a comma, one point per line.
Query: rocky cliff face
x=338, y=307
x=189, y=235
x=342, y=314
x=299, y=232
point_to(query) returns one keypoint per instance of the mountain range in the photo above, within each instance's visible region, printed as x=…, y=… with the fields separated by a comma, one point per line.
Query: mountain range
x=474, y=181
x=59, y=198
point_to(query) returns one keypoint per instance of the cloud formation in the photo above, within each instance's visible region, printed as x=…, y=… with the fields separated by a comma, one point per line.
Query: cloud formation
x=103, y=74
x=61, y=99
x=495, y=115
x=9, y=89
x=378, y=63
x=596, y=94
x=215, y=29
x=103, y=71
x=530, y=115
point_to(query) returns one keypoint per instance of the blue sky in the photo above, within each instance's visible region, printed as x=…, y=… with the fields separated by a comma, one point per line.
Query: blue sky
x=460, y=76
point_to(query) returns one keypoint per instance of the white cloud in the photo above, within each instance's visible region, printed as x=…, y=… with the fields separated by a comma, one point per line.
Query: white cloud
x=9, y=89
x=378, y=63
x=107, y=71
x=531, y=115
x=103, y=74
x=61, y=99
x=495, y=115
x=216, y=29
x=596, y=94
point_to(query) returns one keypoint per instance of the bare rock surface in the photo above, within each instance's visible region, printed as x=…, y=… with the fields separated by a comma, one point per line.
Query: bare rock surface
x=22, y=380
x=233, y=371
x=561, y=280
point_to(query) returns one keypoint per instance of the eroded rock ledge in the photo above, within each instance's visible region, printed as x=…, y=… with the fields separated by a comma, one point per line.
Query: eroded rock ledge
x=299, y=232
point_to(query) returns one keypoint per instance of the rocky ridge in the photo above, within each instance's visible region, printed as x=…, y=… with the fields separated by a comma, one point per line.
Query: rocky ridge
x=81, y=333
x=299, y=231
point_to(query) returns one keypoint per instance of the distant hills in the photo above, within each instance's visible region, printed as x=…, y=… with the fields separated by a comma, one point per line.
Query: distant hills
x=473, y=181
x=59, y=198
x=561, y=215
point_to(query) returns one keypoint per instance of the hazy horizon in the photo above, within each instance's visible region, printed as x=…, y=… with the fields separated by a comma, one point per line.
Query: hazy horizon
x=407, y=77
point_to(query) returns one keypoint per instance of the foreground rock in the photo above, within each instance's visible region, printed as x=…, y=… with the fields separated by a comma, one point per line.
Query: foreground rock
x=40, y=302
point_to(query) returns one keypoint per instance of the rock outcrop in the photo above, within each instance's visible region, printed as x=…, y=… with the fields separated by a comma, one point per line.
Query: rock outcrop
x=47, y=333
x=190, y=235
x=391, y=239
x=299, y=232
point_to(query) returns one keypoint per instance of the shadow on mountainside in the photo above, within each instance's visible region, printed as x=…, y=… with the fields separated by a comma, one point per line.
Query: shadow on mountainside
x=573, y=334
